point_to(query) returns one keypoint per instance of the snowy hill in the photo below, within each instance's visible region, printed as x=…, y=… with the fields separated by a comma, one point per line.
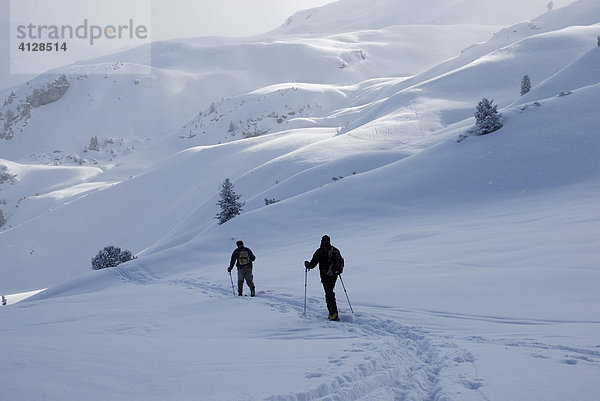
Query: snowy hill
x=579, y=13
x=321, y=133
x=465, y=228
x=471, y=264
x=272, y=109
x=355, y=15
x=124, y=104
x=582, y=72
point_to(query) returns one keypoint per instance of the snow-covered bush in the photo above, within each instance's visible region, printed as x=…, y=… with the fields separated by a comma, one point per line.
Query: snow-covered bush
x=487, y=117
x=228, y=202
x=270, y=201
x=110, y=257
x=525, y=85
x=598, y=40
x=5, y=176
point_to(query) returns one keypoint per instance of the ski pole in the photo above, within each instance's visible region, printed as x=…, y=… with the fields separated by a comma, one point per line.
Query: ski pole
x=344, y=287
x=305, y=279
x=232, y=289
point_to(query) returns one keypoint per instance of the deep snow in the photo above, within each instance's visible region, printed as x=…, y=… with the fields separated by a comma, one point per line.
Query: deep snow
x=472, y=266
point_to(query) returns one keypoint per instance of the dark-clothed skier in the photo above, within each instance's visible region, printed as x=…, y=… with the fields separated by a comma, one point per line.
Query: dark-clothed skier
x=243, y=257
x=330, y=263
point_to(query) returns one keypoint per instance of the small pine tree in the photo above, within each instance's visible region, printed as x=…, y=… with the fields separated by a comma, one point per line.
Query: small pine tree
x=525, y=85
x=598, y=40
x=550, y=5
x=212, y=109
x=228, y=202
x=231, y=129
x=94, y=145
x=9, y=118
x=487, y=117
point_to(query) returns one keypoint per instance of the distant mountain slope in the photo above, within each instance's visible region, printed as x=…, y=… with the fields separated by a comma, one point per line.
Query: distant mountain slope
x=124, y=108
x=578, y=13
x=582, y=72
x=352, y=15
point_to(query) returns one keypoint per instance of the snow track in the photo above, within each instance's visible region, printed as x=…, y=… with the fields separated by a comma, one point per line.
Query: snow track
x=135, y=273
x=399, y=369
x=399, y=362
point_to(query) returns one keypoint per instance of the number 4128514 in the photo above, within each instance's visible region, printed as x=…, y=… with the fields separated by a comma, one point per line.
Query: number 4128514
x=43, y=47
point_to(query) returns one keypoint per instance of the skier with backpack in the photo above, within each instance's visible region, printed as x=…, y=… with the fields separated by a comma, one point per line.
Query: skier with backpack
x=243, y=257
x=331, y=264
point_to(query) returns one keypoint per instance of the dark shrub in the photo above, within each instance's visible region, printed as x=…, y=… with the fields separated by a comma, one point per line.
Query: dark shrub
x=110, y=257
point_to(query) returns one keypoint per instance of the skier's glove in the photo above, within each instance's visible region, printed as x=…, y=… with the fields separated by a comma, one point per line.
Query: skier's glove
x=229, y=269
x=306, y=264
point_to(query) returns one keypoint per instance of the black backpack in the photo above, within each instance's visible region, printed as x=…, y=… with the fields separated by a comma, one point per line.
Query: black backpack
x=336, y=261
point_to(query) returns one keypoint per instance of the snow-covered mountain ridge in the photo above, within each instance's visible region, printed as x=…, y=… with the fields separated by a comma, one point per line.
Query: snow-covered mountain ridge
x=353, y=15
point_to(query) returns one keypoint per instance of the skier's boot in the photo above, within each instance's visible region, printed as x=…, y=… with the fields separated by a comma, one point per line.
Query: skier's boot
x=252, y=292
x=240, y=293
x=334, y=317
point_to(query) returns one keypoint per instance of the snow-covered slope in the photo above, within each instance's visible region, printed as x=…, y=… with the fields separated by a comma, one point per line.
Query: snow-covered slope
x=471, y=264
x=270, y=109
x=471, y=268
x=321, y=133
x=582, y=72
x=496, y=75
x=125, y=105
x=579, y=13
x=353, y=15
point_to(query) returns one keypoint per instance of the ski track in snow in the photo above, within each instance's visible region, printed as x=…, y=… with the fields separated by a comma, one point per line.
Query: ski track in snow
x=409, y=366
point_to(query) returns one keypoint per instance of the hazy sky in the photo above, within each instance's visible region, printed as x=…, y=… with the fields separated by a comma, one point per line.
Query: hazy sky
x=188, y=18
x=169, y=19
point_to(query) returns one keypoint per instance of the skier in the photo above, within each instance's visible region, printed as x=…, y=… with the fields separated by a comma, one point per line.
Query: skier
x=243, y=257
x=331, y=264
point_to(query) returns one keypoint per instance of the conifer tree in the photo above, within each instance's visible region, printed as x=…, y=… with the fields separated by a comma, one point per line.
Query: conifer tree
x=228, y=202
x=487, y=117
x=231, y=129
x=94, y=145
x=525, y=85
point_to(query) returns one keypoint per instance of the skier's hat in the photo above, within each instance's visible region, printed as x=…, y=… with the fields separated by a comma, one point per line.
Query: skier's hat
x=239, y=242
